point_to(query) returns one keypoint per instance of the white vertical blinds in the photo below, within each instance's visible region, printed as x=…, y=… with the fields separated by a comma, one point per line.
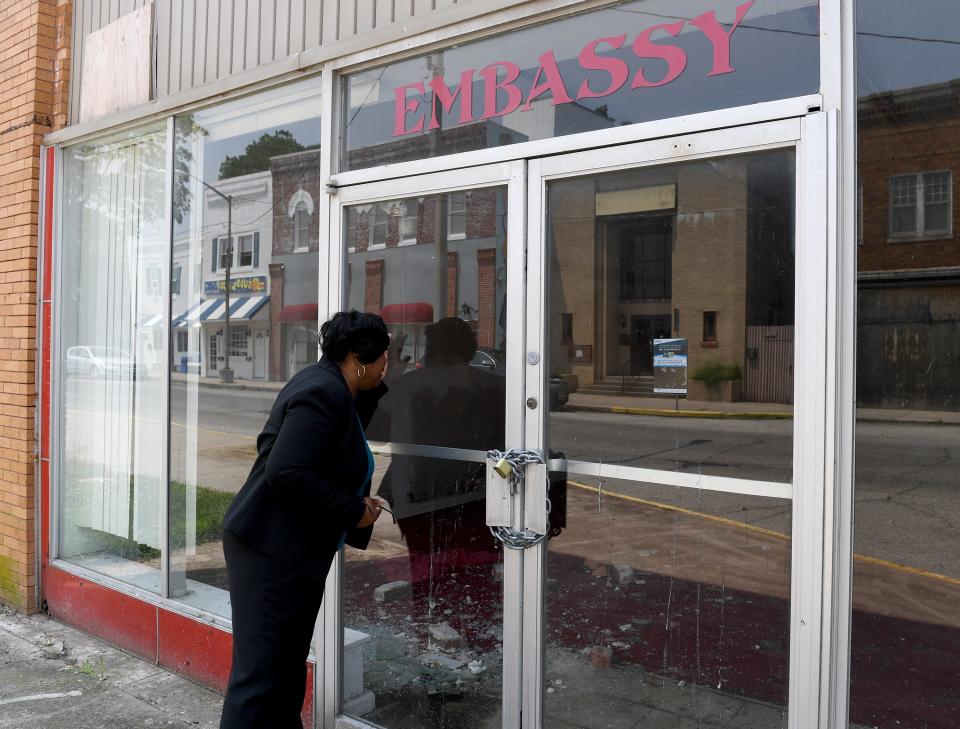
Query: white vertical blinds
x=112, y=335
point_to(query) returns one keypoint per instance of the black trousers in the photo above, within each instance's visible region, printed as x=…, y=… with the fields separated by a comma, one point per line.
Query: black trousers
x=274, y=611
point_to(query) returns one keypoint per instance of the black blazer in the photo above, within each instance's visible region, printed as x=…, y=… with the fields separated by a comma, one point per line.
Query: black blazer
x=301, y=494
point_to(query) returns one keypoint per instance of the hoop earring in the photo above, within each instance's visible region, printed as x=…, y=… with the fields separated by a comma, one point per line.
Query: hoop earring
x=361, y=371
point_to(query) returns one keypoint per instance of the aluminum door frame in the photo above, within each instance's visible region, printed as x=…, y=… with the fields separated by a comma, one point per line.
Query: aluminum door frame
x=814, y=138
x=327, y=636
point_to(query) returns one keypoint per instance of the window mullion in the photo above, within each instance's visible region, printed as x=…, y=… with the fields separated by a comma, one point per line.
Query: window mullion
x=921, y=207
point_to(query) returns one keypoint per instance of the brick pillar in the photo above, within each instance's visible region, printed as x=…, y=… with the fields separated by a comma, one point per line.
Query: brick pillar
x=34, y=74
x=487, y=283
x=276, y=328
x=373, y=288
x=452, y=284
x=61, y=66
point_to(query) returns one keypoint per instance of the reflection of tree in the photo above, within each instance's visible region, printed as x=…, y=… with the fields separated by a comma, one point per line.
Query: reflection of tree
x=256, y=157
x=116, y=183
x=186, y=131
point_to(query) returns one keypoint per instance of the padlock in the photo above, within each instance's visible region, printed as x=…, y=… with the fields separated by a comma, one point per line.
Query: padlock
x=503, y=468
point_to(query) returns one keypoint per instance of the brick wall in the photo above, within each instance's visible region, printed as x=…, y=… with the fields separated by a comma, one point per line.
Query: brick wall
x=906, y=146
x=452, y=281
x=482, y=213
x=34, y=79
x=373, y=289
x=487, y=282
x=276, y=306
x=575, y=282
x=427, y=221
x=710, y=262
x=290, y=173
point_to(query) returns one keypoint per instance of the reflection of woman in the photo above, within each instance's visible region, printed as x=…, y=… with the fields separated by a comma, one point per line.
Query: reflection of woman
x=440, y=504
x=305, y=496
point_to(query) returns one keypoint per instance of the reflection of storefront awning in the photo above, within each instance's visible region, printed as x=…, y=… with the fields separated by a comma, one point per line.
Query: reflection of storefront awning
x=242, y=308
x=299, y=312
x=416, y=313
x=151, y=320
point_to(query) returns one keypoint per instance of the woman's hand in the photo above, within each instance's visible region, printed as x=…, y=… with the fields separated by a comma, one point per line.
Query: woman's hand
x=372, y=512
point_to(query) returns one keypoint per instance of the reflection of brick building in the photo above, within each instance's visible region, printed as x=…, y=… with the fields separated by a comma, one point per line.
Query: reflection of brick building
x=295, y=263
x=695, y=251
x=461, y=138
x=393, y=245
x=909, y=256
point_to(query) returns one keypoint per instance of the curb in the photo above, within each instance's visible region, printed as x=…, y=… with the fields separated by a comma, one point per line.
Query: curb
x=235, y=386
x=718, y=415
x=709, y=414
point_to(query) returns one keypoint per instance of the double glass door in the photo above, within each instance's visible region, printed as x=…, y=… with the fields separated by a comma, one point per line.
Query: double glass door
x=638, y=317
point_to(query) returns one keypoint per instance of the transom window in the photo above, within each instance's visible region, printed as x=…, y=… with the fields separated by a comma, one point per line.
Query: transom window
x=920, y=205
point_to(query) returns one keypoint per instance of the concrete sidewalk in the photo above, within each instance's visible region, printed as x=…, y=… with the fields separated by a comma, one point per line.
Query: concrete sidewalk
x=55, y=677
x=668, y=407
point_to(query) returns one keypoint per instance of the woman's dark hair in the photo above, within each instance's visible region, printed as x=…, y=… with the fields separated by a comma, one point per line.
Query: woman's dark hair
x=354, y=331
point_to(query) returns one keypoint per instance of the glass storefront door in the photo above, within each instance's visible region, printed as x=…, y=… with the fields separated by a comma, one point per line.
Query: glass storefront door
x=428, y=637
x=643, y=341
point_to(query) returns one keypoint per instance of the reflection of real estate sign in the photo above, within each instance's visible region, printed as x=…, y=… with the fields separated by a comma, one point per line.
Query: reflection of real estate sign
x=670, y=366
x=243, y=285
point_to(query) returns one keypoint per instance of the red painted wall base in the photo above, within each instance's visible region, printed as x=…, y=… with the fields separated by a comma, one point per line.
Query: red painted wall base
x=172, y=641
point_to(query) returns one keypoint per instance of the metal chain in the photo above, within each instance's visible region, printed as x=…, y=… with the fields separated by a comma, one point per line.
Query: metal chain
x=518, y=458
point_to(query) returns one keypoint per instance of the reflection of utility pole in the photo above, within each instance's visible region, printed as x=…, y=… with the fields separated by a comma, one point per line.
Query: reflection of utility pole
x=435, y=69
x=440, y=232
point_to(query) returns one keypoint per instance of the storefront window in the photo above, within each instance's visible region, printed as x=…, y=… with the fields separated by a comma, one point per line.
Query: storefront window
x=634, y=62
x=247, y=175
x=906, y=588
x=423, y=605
x=112, y=355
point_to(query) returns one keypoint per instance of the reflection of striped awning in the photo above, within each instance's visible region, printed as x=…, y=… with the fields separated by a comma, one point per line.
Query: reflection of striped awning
x=242, y=308
x=151, y=320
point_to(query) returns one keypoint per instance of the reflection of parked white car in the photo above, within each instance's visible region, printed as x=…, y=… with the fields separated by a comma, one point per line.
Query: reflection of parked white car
x=101, y=361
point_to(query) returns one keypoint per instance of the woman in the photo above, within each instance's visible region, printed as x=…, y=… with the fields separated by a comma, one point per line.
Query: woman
x=306, y=494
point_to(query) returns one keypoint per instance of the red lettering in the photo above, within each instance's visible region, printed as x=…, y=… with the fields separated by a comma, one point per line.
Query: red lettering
x=675, y=57
x=491, y=86
x=615, y=67
x=403, y=106
x=719, y=38
x=554, y=82
x=500, y=77
x=446, y=98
